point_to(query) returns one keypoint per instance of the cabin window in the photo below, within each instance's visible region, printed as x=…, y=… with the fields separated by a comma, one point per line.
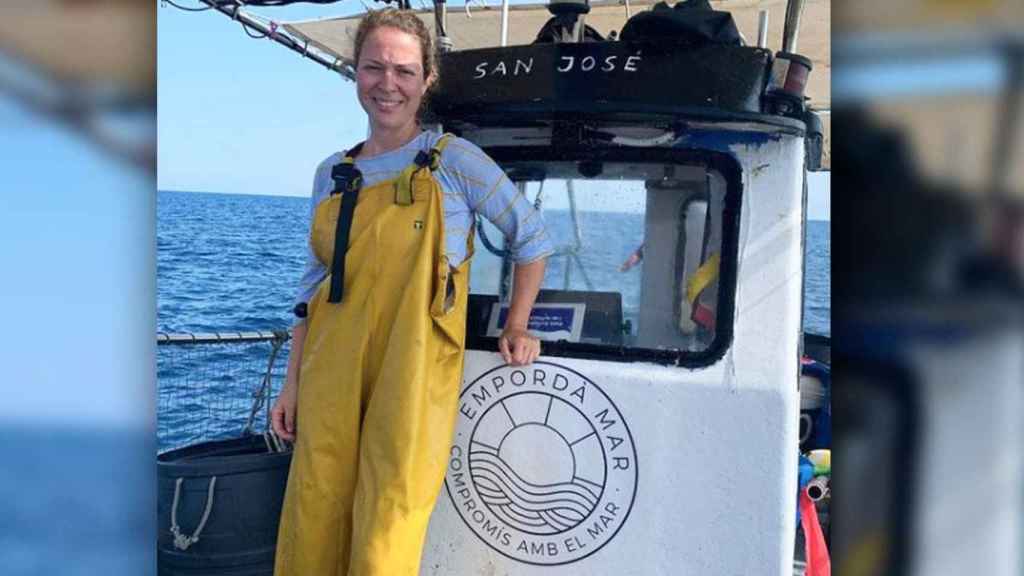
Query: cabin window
x=641, y=248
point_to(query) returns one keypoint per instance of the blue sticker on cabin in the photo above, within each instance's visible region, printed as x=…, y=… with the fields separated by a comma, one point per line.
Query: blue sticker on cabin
x=547, y=319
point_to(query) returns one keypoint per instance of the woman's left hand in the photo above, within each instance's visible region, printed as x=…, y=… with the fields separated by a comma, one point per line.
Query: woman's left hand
x=518, y=347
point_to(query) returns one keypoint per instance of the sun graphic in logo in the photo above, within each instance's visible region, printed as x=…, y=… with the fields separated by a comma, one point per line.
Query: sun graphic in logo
x=542, y=468
x=531, y=459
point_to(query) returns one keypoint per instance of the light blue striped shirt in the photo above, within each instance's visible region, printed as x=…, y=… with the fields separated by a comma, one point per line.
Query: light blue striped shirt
x=472, y=184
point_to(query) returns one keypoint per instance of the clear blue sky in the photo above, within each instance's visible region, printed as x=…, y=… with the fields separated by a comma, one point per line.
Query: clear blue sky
x=78, y=300
x=245, y=116
x=240, y=115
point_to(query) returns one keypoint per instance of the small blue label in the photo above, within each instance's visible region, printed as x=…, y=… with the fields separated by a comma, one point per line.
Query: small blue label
x=547, y=319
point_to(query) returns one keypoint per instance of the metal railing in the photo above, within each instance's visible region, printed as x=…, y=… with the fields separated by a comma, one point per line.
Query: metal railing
x=216, y=385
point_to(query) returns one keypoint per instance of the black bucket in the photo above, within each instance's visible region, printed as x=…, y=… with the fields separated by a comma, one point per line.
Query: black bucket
x=242, y=510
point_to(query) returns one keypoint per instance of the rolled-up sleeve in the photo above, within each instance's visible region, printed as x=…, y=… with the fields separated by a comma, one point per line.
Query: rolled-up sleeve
x=314, y=272
x=490, y=193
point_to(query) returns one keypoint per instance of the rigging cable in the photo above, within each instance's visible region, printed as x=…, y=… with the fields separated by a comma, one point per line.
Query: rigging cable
x=273, y=3
x=257, y=3
x=482, y=233
x=245, y=28
x=186, y=8
x=258, y=27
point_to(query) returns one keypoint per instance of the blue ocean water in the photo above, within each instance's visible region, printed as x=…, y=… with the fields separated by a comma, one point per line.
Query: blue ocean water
x=818, y=278
x=228, y=262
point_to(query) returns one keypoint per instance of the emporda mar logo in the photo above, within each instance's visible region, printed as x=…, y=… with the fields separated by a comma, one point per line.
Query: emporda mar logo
x=543, y=468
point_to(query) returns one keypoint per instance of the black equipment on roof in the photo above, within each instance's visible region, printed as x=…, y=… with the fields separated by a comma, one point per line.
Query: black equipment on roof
x=689, y=23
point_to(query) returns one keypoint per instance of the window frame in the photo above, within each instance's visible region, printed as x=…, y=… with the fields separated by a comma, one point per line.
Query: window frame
x=730, y=170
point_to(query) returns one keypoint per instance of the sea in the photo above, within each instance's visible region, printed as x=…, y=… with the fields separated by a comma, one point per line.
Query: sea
x=230, y=262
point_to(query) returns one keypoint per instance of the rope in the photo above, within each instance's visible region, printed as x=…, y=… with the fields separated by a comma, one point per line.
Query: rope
x=487, y=241
x=482, y=3
x=257, y=3
x=572, y=252
x=275, y=444
x=186, y=8
x=285, y=2
x=265, y=389
x=182, y=542
x=245, y=28
x=583, y=271
x=537, y=202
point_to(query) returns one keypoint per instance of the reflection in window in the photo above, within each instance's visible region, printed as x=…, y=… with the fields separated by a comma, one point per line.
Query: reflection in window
x=637, y=256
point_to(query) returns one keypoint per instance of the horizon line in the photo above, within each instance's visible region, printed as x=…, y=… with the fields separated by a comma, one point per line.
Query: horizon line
x=829, y=219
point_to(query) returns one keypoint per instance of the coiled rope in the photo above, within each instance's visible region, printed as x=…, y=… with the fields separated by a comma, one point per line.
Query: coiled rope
x=182, y=542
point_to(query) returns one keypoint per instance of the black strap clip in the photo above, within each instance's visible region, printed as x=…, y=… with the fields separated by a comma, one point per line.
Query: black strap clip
x=428, y=159
x=347, y=178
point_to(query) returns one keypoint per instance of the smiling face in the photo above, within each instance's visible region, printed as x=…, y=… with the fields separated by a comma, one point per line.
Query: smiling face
x=390, y=80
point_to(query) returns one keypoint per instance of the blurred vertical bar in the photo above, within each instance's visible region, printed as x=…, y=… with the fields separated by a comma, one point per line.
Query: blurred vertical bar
x=928, y=265
x=1008, y=137
x=791, y=30
x=77, y=247
x=762, y=29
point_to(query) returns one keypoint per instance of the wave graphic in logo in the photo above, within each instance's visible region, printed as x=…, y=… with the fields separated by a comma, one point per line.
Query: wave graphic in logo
x=542, y=467
x=532, y=508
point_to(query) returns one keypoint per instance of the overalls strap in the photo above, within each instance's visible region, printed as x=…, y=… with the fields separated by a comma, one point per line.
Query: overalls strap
x=347, y=182
x=430, y=159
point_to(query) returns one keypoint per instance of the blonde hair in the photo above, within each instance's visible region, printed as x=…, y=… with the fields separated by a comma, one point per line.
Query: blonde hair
x=406, y=21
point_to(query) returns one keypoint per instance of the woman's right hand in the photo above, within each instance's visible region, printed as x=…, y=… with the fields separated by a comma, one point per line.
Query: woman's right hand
x=282, y=415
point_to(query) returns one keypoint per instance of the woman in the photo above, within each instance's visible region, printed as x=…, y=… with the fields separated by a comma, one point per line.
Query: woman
x=371, y=393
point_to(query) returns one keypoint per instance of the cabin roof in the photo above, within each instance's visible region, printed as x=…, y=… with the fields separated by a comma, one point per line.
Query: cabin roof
x=481, y=26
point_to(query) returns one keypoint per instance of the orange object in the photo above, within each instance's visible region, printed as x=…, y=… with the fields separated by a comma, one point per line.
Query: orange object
x=816, y=552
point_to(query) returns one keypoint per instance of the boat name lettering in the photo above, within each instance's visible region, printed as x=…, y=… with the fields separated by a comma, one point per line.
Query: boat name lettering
x=502, y=68
x=588, y=63
x=521, y=67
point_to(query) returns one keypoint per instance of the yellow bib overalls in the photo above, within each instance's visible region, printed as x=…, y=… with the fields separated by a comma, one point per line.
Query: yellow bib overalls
x=379, y=385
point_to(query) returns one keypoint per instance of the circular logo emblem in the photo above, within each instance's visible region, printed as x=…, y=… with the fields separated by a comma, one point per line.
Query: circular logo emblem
x=543, y=468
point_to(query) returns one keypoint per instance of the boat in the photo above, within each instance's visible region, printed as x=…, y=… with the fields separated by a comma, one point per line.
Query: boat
x=668, y=397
